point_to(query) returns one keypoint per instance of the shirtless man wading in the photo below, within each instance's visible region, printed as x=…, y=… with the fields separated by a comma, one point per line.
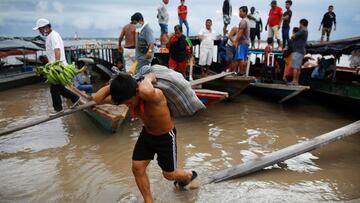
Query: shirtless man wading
x=158, y=135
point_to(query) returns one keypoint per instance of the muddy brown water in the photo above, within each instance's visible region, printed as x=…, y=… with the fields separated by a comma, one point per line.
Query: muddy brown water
x=71, y=159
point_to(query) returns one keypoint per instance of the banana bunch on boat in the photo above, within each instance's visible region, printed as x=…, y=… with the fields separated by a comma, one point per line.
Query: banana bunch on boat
x=57, y=73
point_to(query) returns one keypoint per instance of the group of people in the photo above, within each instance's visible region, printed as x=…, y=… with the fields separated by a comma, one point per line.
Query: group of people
x=238, y=40
x=139, y=48
x=158, y=135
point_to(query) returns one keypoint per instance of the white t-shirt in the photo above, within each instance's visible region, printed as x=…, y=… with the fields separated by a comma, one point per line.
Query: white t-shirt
x=208, y=37
x=54, y=41
x=252, y=23
x=163, y=15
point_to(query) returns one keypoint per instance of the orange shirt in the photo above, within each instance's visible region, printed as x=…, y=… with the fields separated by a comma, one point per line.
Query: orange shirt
x=182, y=8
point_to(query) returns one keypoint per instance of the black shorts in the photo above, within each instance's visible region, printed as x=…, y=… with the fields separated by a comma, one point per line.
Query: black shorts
x=254, y=32
x=164, y=146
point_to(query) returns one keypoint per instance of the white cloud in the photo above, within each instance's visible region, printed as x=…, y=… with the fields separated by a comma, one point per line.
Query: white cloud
x=42, y=6
x=59, y=7
x=82, y=22
x=357, y=18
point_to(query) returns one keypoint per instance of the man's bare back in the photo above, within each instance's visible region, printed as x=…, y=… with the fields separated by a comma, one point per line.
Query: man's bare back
x=156, y=116
x=129, y=33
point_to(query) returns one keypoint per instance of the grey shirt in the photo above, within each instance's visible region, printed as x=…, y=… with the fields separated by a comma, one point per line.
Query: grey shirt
x=300, y=40
x=144, y=38
x=244, y=25
x=286, y=23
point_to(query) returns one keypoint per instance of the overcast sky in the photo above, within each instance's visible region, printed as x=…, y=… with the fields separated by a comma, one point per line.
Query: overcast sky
x=104, y=18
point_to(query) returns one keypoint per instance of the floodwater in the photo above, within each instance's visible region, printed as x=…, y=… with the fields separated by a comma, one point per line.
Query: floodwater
x=71, y=159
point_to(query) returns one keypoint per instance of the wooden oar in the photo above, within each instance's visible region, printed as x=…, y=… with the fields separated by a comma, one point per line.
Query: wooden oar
x=45, y=119
x=283, y=154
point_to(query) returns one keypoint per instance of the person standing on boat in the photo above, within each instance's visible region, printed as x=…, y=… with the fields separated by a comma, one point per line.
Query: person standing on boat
x=286, y=23
x=163, y=18
x=158, y=135
x=231, y=50
x=55, y=51
x=128, y=52
x=207, y=37
x=327, y=22
x=274, y=22
x=182, y=12
x=299, y=44
x=145, y=42
x=227, y=12
x=242, y=41
x=254, y=17
x=178, y=51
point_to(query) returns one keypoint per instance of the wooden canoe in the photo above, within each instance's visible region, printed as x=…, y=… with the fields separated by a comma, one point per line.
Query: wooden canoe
x=232, y=84
x=209, y=97
x=107, y=116
x=283, y=92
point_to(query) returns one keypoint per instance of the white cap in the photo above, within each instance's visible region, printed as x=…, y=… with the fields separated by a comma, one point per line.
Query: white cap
x=41, y=22
x=307, y=56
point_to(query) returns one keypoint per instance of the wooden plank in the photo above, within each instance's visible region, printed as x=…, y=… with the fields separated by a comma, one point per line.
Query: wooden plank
x=292, y=95
x=209, y=78
x=283, y=154
x=45, y=119
x=279, y=86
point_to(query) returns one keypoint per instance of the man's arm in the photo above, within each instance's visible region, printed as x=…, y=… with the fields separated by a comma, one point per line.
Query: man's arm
x=334, y=22
x=232, y=34
x=267, y=23
x=280, y=15
x=121, y=37
x=297, y=35
x=103, y=95
x=286, y=17
x=322, y=21
x=151, y=42
x=57, y=54
x=239, y=35
x=261, y=25
x=147, y=91
x=251, y=17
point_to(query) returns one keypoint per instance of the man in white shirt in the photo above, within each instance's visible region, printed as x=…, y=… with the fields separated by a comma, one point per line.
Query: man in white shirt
x=254, y=18
x=163, y=18
x=207, y=37
x=55, y=51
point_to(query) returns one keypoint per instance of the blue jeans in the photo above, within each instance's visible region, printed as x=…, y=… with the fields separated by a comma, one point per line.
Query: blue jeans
x=163, y=28
x=87, y=88
x=59, y=90
x=285, y=36
x=183, y=21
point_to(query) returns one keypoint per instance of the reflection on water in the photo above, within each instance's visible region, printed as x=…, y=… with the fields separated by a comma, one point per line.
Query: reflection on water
x=71, y=159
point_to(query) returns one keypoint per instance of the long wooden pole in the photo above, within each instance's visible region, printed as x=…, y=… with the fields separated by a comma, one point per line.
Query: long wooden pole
x=87, y=105
x=45, y=119
x=283, y=154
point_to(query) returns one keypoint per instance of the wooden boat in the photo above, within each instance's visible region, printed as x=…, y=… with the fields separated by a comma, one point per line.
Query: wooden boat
x=108, y=116
x=281, y=92
x=340, y=84
x=209, y=97
x=15, y=75
x=232, y=84
x=275, y=89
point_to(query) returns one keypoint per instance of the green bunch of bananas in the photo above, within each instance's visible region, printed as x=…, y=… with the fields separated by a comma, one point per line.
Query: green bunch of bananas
x=57, y=73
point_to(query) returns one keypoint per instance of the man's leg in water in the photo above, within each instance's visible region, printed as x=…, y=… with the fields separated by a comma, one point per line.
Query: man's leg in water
x=142, y=179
